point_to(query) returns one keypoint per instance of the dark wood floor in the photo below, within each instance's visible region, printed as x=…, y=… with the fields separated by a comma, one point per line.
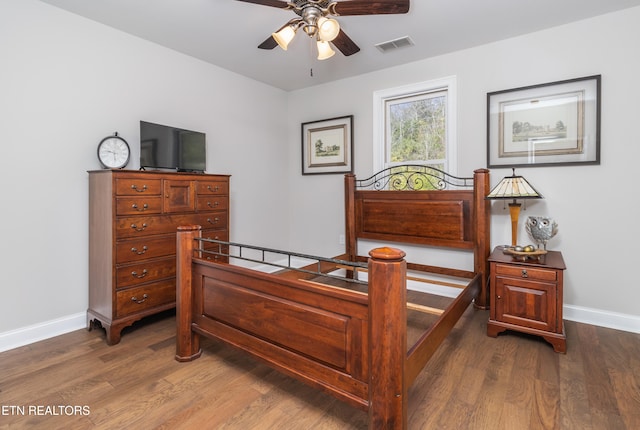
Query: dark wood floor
x=514, y=382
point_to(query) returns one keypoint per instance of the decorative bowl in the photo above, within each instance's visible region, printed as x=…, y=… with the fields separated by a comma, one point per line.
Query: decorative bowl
x=525, y=255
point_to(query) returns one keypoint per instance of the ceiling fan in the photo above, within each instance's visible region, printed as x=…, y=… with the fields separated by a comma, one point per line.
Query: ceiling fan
x=316, y=19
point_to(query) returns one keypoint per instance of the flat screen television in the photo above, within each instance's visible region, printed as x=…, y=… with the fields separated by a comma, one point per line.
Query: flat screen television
x=165, y=147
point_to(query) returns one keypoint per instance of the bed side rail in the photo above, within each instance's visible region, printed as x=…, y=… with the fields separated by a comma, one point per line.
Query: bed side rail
x=279, y=259
x=420, y=353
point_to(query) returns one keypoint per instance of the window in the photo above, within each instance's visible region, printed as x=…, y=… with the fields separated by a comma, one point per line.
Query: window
x=416, y=124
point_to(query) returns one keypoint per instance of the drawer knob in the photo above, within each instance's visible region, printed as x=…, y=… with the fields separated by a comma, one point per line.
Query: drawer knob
x=144, y=207
x=135, y=250
x=139, y=301
x=525, y=274
x=139, y=190
x=141, y=275
x=141, y=228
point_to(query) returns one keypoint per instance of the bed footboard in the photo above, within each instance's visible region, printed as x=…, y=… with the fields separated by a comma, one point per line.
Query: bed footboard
x=329, y=338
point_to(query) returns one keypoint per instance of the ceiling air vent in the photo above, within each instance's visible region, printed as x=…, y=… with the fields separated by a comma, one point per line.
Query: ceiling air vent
x=395, y=44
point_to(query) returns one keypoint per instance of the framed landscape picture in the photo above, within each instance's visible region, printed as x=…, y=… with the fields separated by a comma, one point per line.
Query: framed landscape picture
x=327, y=146
x=544, y=125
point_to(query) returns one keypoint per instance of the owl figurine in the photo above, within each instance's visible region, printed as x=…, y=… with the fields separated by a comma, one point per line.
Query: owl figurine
x=541, y=229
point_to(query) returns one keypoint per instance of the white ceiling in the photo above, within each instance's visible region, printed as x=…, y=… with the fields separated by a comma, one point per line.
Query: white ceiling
x=227, y=32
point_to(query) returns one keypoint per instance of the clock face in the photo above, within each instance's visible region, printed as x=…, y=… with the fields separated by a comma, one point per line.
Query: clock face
x=113, y=152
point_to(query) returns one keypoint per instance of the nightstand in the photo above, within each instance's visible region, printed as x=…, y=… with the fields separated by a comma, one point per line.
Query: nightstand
x=526, y=296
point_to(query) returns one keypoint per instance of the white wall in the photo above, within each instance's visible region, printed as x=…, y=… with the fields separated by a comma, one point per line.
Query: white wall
x=598, y=234
x=65, y=83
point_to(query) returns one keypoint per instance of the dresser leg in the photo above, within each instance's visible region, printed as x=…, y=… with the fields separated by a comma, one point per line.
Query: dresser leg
x=112, y=332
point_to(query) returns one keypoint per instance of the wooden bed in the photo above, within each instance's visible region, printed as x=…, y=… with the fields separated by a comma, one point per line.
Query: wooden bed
x=321, y=323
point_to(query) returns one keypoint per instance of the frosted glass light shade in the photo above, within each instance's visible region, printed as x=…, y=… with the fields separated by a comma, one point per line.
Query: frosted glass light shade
x=328, y=29
x=324, y=50
x=284, y=36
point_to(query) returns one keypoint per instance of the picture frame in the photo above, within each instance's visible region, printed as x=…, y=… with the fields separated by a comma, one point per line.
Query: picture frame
x=327, y=146
x=552, y=124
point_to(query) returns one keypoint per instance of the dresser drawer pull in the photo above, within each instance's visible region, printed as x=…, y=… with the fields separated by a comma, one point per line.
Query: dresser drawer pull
x=141, y=275
x=213, y=205
x=144, y=207
x=144, y=299
x=141, y=228
x=144, y=249
x=213, y=189
x=525, y=274
x=216, y=220
x=140, y=190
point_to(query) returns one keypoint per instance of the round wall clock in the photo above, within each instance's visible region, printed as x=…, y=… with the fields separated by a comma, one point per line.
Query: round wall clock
x=113, y=152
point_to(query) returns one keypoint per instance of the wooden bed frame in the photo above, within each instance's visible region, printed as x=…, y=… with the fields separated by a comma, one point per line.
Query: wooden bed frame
x=332, y=333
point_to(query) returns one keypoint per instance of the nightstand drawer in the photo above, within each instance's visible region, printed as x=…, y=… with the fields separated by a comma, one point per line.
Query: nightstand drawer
x=525, y=272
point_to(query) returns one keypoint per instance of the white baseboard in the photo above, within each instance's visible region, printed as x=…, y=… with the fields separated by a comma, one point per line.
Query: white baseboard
x=45, y=330
x=614, y=320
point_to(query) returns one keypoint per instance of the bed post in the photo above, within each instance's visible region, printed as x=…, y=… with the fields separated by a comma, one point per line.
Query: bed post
x=351, y=245
x=187, y=342
x=387, y=339
x=482, y=249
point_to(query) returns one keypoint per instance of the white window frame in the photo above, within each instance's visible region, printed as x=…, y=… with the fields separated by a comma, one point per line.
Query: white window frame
x=380, y=99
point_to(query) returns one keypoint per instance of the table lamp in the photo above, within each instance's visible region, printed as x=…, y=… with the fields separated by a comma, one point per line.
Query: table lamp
x=514, y=187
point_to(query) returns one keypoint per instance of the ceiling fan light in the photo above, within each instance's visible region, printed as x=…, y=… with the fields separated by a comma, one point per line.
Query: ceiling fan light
x=328, y=29
x=324, y=50
x=284, y=36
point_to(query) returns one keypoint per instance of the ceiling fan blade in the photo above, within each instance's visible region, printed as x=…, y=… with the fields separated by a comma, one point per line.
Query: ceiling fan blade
x=273, y=3
x=269, y=43
x=368, y=7
x=345, y=45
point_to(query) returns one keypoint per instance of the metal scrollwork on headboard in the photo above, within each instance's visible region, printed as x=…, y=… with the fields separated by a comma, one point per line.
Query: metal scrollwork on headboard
x=413, y=177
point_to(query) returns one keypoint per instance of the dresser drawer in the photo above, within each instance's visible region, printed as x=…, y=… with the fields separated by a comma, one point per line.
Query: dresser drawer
x=526, y=272
x=138, y=186
x=145, y=271
x=144, y=248
x=212, y=187
x=212, y=203
x=222, y=235
x=144, y=297
x=138, y=205
x=136, y=226
x=213, y=220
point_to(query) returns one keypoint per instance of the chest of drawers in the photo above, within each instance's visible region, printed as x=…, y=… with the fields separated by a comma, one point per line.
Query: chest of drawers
x=133, y=217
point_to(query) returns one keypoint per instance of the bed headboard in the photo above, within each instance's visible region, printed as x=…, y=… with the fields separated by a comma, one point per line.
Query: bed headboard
x=421, y=205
